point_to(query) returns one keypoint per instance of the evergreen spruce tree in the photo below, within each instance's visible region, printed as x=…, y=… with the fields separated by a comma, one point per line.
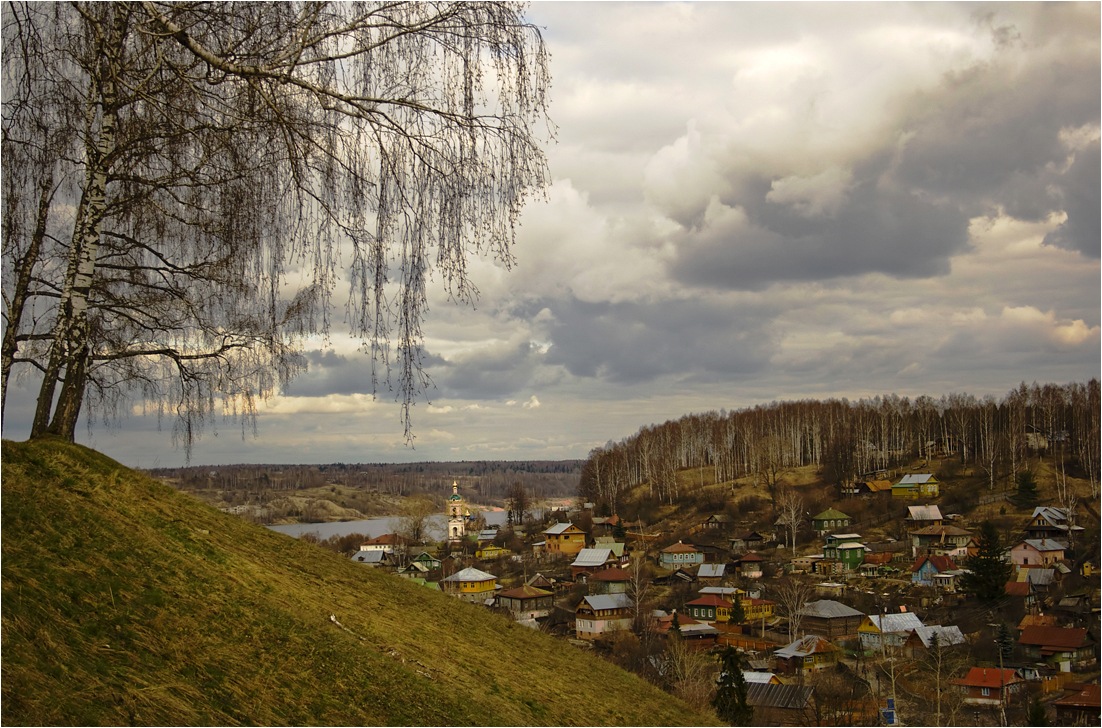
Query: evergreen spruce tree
x=1026, y=495
x=731, y=702
x=988, y=571
x=738, y=614
x=1037, y=717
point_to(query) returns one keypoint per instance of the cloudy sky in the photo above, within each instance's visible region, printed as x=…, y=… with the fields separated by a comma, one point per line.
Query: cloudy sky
x=751, y=202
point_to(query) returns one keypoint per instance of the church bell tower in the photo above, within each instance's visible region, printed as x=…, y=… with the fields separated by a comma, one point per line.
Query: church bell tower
x=457, y=515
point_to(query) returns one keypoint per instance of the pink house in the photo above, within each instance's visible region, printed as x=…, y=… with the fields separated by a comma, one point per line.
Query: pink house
x=1037, y=552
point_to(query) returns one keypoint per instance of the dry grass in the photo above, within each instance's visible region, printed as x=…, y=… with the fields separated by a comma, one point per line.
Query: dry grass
x=127, y=602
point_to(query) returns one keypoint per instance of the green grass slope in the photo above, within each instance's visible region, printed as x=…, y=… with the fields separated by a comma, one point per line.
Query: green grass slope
x=125, y=602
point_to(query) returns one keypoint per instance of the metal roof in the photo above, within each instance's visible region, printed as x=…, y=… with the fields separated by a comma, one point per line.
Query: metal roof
x=915, y=479
x=592, y=557
x=829, y=609
x=470, y=574
x=767, y=695
x=711, y=571
x=946, y=636
x=600, y=602
x=558, y=529
x=896, y=622
x=924, y=513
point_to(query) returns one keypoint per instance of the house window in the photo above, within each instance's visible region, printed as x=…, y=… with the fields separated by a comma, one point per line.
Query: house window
x=985, y=692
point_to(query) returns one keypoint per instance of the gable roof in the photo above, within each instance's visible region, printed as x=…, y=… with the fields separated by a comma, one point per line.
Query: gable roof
x=916, y=479
x=602, y=602
x=767, y=695
x=1053, y=638
x=829, y=609
x=560, y=528
x=878, y=486
x=612, y=573
x=592, y=557
x=1043, y=544
x=711, y=571
x=940, y=563
x=371, y=557
x=710, y=600
x=387, y=539
x=896, y=622
x=941, y=531
x=924, y=513
x=946, y=636
x=988, y=677
x=806, y=646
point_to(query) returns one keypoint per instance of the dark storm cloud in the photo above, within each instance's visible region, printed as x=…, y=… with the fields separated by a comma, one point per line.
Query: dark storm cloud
x=331, y=373
x=489, y=372
x=633, y=342
x=1080, y=193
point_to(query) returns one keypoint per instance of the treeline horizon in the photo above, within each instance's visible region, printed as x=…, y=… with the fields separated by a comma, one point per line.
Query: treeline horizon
x=848, y=439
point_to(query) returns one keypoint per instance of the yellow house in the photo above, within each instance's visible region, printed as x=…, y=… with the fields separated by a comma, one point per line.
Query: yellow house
x=471, y=585
x=756, y=609
x=917, y=485
x=565, y=539
x=490, y=552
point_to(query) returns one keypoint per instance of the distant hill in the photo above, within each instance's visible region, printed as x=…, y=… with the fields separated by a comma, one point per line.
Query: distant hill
x=127, y=602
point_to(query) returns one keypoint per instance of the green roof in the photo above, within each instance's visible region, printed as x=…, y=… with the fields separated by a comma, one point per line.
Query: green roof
x=829, y=513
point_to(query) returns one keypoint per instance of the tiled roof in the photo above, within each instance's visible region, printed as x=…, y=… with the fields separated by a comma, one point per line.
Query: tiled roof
x=1063, y=638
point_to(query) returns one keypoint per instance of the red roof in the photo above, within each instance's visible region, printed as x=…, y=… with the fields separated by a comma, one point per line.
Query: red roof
x=710, y=600
x=611, y=574
x=1053, y=638
x=387, y=539
x=882, y=557
x=1089, y=697
x=680, y=548
x=749, y=557
x=1017, y=588
x=988, y=677
x=941, y=563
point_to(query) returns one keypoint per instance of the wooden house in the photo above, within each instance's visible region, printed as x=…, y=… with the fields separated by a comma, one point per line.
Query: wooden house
x=929, y=637
x=1069, y=649
x=922, y=516
x=927, y=568
x=1081, y=706
x=590, y=561
x=830, y=618
x=989, y=687
x=710, y=608
x=781, y=705
x=471, y=585
x=887, y=630
x=680, y=555
x=564, y=539
x=944, y=540
x=599, y=615
x=916, y=485
x=526, y=602
x=612, y=580
x=829, y=520
x=749, y=566
x=1051, y=522
x=807, y=654
x=491, y=552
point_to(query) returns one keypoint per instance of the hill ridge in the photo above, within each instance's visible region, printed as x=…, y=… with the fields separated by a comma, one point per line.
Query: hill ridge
x=126, y=601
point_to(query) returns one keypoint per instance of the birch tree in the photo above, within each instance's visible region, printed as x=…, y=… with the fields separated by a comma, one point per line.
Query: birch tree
x=211, y=174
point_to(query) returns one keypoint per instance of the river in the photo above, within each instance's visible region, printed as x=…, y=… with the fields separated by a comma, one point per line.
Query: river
x=374, y=527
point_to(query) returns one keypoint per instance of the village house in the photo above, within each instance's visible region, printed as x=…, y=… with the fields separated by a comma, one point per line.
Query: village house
x=927, y=568
x=841, y=557
x=749, y=566
x=491, y=552
x=564, y=539
x=698, y=635
x=887, y=630
x=680, y=555
x=751, y=541
x=828, y=521
x=471, y=585
x=807, y=654
x=783, y=705
x=944, y=540
x=1051, y=522
x=922, y=516
x=526, y=602
x=619, y=549
x=430, y=562
x=916, y=485
x=717, y=522
x=711, y=573
x=989, y=687
x=710, y=608
x=612, y=580
x=1082, y=706
x=1037, y=552
x=388, y=542
x=589, y=561
x=373, y=558
x=599, y=615
x=757, y=610
x=1068, y=649
x=413, y=570
x=932, y=636
x=830, y=618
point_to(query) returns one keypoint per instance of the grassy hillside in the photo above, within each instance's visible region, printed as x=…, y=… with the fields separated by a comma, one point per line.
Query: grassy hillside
x=125, y=602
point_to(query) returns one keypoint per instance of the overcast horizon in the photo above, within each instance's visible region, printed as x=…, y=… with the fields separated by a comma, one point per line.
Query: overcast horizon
x=751, y=202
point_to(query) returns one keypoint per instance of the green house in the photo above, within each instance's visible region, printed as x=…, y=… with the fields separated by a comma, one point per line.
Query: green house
x=830, y=520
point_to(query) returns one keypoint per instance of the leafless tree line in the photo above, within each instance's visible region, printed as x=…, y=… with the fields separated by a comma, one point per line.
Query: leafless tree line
x=850, y=439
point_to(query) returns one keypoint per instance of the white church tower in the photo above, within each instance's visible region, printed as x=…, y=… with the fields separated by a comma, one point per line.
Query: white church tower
x=457, y=515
